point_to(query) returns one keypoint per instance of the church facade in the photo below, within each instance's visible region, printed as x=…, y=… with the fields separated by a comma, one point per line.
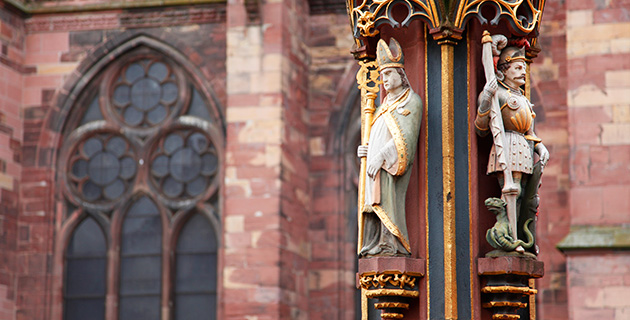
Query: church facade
x=197, y=160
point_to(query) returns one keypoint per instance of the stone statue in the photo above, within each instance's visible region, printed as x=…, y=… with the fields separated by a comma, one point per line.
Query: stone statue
x=505, y=112
x=393, y=138
x=499, y=235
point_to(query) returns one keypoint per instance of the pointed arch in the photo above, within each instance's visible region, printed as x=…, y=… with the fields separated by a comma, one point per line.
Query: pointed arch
x=66, y=98
x=195, y=244
x=135, y=179
x=86, y=271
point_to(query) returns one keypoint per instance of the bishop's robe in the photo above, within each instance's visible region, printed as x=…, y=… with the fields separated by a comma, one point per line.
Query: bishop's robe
x=394, y=133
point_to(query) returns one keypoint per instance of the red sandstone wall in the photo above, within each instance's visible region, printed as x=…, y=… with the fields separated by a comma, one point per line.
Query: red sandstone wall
x=11, y=134
x=598, y=73
x=333, y=220
x=549, y=79
x=39, y=55
x=267, y=200
x=295, y=204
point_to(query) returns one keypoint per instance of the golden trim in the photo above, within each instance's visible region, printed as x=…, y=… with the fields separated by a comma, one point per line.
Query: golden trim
x=383, y=305
x=481, y=114
x=498, y=304
x=399, y=141
x=392, y=106
x=448, y=181
x=365, y=24
x=368, y=74
x=391, y=293
x=510, y=59
x=383, y=279
x=379, y=10
x=506, y=8
x=382, y=215
x=368, y=83
x=391, y=315
x=532, y=300
x=509, y=289
x=364, y=305
x=383, y=66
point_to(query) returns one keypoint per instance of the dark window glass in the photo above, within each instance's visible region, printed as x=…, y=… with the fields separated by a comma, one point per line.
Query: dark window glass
x=210, y=163
x=195, y=271
x=140, y=268
x=157, y=115
x=169, y=92
x=122, y=95
x=145, y=94
x=127, y=168
x=141, y=94
x=114, y=190
x=92, y=146
x=172, y=187
x=93, y=112
x=84, y=294
x=80, y=168
x=158, y=71
x=117, y=146
x=139, y=308
x=194, y=307
x=134, y=72
x=198, y=107
x=91, y=191
x=173, y=142
x=133, y=116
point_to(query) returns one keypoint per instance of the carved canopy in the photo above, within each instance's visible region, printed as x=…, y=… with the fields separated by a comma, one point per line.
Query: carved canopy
x=446, y=19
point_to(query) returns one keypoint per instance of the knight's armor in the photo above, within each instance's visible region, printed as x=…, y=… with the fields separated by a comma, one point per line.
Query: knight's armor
x=518, y=118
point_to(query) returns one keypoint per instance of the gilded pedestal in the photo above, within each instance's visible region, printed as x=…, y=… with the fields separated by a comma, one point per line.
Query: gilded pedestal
x=505, y=284
x=393, y=282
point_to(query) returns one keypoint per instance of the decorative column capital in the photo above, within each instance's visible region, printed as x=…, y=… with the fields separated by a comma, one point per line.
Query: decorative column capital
x=392, y=281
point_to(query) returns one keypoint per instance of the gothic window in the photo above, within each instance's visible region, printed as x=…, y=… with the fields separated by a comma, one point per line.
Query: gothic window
x=85, y=262
x=139, y=168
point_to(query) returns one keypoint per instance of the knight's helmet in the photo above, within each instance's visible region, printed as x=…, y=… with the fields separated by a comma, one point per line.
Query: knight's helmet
x=389, y=56
x=511, y=54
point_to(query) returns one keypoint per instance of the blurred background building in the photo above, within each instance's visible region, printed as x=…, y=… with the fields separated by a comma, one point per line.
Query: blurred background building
x=195, y=159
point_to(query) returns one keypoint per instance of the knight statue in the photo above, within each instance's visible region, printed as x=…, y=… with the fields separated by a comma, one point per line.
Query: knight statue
x=506, y=113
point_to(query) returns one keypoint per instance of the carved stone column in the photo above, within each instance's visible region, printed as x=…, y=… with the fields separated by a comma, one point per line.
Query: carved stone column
x=393, y=282
x=505, y=284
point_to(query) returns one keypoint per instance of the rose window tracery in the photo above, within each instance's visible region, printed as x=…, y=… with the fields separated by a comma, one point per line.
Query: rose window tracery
x=102, y=167
x=150, y=123
x=145, y=93
x=184, y=164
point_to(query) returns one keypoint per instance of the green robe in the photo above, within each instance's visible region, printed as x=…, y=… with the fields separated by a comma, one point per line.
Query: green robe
x=386, y=206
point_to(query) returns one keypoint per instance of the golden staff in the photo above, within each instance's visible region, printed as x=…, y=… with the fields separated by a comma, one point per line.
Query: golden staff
x=368, y=73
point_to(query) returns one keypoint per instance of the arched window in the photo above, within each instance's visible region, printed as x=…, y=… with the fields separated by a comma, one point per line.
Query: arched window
x=141, y=151
x=196, y=271
x=86, y=258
